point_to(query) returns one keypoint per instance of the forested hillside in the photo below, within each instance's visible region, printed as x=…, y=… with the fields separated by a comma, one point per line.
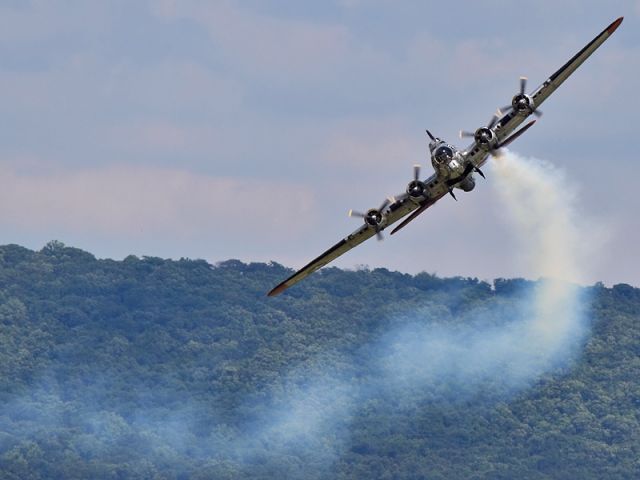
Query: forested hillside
x=150, y=368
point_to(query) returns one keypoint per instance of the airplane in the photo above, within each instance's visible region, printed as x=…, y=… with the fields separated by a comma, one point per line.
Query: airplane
x=453, y=168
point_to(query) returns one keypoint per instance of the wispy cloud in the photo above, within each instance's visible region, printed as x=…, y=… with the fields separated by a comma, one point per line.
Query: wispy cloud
x=332, y=99
x=125, y=200
x=261, y=44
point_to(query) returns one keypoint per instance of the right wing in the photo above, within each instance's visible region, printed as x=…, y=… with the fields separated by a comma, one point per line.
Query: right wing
x=343, y=246
x=393, y=213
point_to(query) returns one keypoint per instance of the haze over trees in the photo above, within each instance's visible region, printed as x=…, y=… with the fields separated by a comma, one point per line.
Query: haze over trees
x=151, y=368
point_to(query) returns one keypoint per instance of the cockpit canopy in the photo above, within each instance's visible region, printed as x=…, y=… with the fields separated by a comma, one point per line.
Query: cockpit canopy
x=443, y=155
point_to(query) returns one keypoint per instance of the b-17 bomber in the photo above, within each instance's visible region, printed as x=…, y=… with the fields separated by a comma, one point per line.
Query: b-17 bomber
x=454, y=168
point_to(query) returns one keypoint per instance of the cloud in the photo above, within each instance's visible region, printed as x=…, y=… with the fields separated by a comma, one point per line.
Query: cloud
x=33, y=22
x=144, y=201
x=372, y=144
x=334, y=97
x=265, y=44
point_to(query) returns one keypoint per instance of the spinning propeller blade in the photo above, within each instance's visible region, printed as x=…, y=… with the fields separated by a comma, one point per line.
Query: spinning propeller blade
x=494, y=119
x=523, y=85
x=465, y=134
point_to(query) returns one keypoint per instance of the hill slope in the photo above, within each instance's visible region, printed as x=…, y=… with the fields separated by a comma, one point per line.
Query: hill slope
x=151, y=368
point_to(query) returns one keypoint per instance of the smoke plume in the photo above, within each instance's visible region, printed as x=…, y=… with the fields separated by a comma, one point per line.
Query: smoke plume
x=555, y=244
x=490, y=351
x=539, y=206
x=497, y=351
x=301, y=424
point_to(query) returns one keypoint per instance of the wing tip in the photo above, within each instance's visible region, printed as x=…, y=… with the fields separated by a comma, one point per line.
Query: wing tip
x=612, y=28
x=278, y=290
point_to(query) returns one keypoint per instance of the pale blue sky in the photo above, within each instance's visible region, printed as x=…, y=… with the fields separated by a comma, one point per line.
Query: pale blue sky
x=248, y=129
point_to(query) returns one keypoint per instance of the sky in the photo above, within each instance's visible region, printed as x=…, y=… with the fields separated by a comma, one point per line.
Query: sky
x=248, y=129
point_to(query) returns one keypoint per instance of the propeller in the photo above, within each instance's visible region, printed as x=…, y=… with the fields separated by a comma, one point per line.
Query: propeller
x=483, y=136
x=536, y=112
x=384, y=204
x=374, y=217
x=490, y=125
x=494, y=150
x=519, y=96
x=415, y=189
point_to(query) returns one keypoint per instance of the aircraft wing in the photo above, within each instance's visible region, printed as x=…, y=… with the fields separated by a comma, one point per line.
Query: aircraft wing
x=423, y=206
x=394, y=212
x=477, y=156
x=511, y=120
x=343, y=246
x=555, y=80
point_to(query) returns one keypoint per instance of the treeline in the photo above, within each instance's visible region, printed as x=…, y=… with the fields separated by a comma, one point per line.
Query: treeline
x=178, y=369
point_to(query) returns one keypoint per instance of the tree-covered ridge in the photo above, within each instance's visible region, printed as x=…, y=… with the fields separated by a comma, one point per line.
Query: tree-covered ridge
x=152, y=368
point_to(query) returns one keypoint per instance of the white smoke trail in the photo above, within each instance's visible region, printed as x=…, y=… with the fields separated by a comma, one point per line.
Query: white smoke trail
x=513, y=349
x=498, y=348
x=302, y=424
x=540, y=206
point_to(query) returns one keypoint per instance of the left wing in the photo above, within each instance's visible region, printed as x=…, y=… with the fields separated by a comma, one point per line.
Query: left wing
x=509, y=122
x=512, y=120
x=555, y=80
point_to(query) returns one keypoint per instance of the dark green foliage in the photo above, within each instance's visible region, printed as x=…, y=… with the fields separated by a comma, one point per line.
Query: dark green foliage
x=151, y=368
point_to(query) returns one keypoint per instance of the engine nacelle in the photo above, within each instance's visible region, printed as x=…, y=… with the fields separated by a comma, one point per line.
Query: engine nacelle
x=417, y=191
x=467, y=184
x=485, y=137
x=522, y=104
x=374, y=218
